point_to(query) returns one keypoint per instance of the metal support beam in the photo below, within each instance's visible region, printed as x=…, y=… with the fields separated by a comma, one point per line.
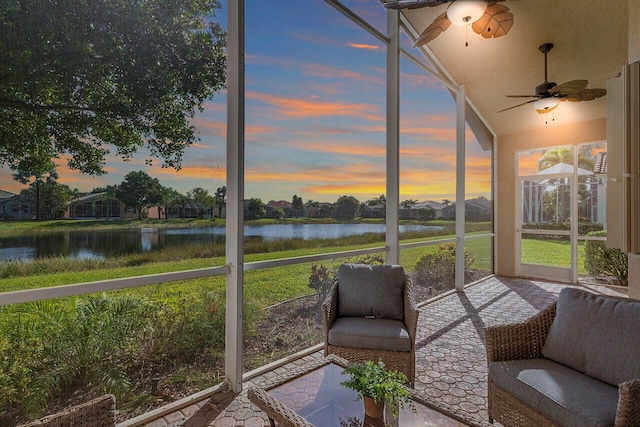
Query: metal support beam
x=235, y=194
x=393, y=138
x=460, y=186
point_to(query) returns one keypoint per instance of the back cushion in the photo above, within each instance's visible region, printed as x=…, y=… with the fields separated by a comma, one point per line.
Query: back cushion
x=371, y=290
x=596, y=335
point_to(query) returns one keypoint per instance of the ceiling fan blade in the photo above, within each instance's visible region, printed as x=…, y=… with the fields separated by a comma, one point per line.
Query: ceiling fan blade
x=437, y=27
x=412, y=4
x=522, y=96
x=495, y=22
x=576, y=91
x=570, y=87
x=519, y=105
x=585, y=95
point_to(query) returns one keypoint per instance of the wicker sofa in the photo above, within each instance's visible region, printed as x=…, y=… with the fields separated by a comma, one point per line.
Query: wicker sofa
x=99, y=412
x=574, y=364
x=370, y=314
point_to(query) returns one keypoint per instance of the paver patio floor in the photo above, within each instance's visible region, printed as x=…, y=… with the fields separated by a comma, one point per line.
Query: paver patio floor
x=451, y=364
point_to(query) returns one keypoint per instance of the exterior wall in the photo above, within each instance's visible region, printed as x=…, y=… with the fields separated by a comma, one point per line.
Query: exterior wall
x=507, y=146
x=15, y=208
x=634, y=31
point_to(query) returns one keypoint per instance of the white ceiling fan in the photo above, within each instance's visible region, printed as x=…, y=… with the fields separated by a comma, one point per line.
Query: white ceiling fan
x=487, y=18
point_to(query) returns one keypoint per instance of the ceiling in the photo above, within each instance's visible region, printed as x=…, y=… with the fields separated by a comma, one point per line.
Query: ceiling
x=590, y=41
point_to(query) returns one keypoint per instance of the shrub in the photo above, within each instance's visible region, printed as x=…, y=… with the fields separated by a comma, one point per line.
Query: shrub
x=73, y=348
x=603, y=261
x=438, y=268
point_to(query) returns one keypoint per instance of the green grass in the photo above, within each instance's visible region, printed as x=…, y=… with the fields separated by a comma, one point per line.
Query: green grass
x=552, y=252
x=11, y=228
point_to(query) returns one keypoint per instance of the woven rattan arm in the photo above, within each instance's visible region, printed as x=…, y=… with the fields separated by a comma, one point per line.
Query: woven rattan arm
x=275, y=410
x=519, y=340
x=628, y=413
x=410, y=310
x=330, y=313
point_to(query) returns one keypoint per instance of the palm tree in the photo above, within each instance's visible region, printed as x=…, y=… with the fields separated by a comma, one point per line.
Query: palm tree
x=565, y=155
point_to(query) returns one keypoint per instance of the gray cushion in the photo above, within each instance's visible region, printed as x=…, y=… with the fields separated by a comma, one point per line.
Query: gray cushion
x=597, y=335
x=371, y=290
x=560, y=393
x=379, y=334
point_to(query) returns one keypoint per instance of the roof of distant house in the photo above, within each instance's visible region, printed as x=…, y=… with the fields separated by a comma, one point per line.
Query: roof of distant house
x=283, y=204
x=6, y=194
x=480, y=202
x=601, y=164
x=429, y=204
x=378, y=207
x=87, y=197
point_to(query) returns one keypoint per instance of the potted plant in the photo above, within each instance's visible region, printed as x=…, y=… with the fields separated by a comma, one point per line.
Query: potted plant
x=377, y=386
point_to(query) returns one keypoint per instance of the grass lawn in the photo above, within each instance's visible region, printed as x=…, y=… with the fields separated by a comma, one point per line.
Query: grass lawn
x=552, y=252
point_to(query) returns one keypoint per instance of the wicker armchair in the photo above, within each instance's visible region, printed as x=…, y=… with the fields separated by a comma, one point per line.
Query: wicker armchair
x=99, y=412
x=526, y=340
x=403, y=361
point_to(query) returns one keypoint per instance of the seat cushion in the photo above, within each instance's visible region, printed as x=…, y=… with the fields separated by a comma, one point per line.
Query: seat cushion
x=597, y=335
x=560, y=393
x=379, y=334
x=371, y=290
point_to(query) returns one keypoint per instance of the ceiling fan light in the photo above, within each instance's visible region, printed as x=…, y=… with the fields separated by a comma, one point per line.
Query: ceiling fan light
x=545, y=105
x=464, y=12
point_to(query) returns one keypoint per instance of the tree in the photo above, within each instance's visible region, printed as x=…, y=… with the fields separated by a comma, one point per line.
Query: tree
x=408, y=204
x=296, y=205
x=346, y=207
x=426, y=214
x=446, y=202
x=565, y=155
x=561, y=196
x=48, y=198
x=139, y=190
x=278, y=213
x=78, y=77
x=39, y=166
x=255, y=209
x=221, y=199
x=203, y=198
x=382, y=200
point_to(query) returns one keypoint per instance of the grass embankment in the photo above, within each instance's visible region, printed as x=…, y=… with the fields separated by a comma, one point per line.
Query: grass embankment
x=12, y=228
x=55, y=271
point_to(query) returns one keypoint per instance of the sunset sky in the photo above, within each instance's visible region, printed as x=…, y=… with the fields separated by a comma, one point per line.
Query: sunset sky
x=315, y=117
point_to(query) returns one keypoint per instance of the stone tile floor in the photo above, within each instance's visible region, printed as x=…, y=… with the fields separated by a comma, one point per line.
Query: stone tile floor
x=450, y=357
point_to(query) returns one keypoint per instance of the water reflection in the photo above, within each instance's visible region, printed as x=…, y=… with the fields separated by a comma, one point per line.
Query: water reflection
x=112, y=243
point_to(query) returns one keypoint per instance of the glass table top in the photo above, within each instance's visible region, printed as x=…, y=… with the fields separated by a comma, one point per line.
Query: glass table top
x=319, y=397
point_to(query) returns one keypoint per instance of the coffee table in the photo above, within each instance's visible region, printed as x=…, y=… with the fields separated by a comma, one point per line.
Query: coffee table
x=313, y=396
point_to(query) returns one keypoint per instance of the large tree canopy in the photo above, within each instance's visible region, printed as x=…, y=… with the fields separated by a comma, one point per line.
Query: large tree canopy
x=83, y=78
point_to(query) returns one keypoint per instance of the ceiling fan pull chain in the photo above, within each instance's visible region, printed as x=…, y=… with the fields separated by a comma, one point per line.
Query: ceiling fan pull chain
x=466, y=35
x=553, y=118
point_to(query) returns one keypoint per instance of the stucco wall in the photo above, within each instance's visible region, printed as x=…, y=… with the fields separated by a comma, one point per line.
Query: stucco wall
x=634, y=31
x=507, y=146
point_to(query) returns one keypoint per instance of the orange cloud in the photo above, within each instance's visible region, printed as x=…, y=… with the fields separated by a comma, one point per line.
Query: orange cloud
x=337, y=148
x=335, y=73
x=364, y=46
x=209, y=127
x=193, y=172
x=300, y=108
x=421, y=80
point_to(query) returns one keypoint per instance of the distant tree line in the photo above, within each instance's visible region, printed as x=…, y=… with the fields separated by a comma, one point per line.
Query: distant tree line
x=50, y=200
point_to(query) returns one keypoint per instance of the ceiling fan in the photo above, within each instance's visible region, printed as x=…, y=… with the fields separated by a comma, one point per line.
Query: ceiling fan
x=486, y=18
x=548, y=94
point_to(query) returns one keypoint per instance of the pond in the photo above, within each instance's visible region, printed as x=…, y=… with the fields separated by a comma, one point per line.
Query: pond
x=112, y=243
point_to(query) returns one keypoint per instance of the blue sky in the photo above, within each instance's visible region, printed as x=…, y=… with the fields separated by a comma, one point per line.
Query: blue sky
x=315, y=116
